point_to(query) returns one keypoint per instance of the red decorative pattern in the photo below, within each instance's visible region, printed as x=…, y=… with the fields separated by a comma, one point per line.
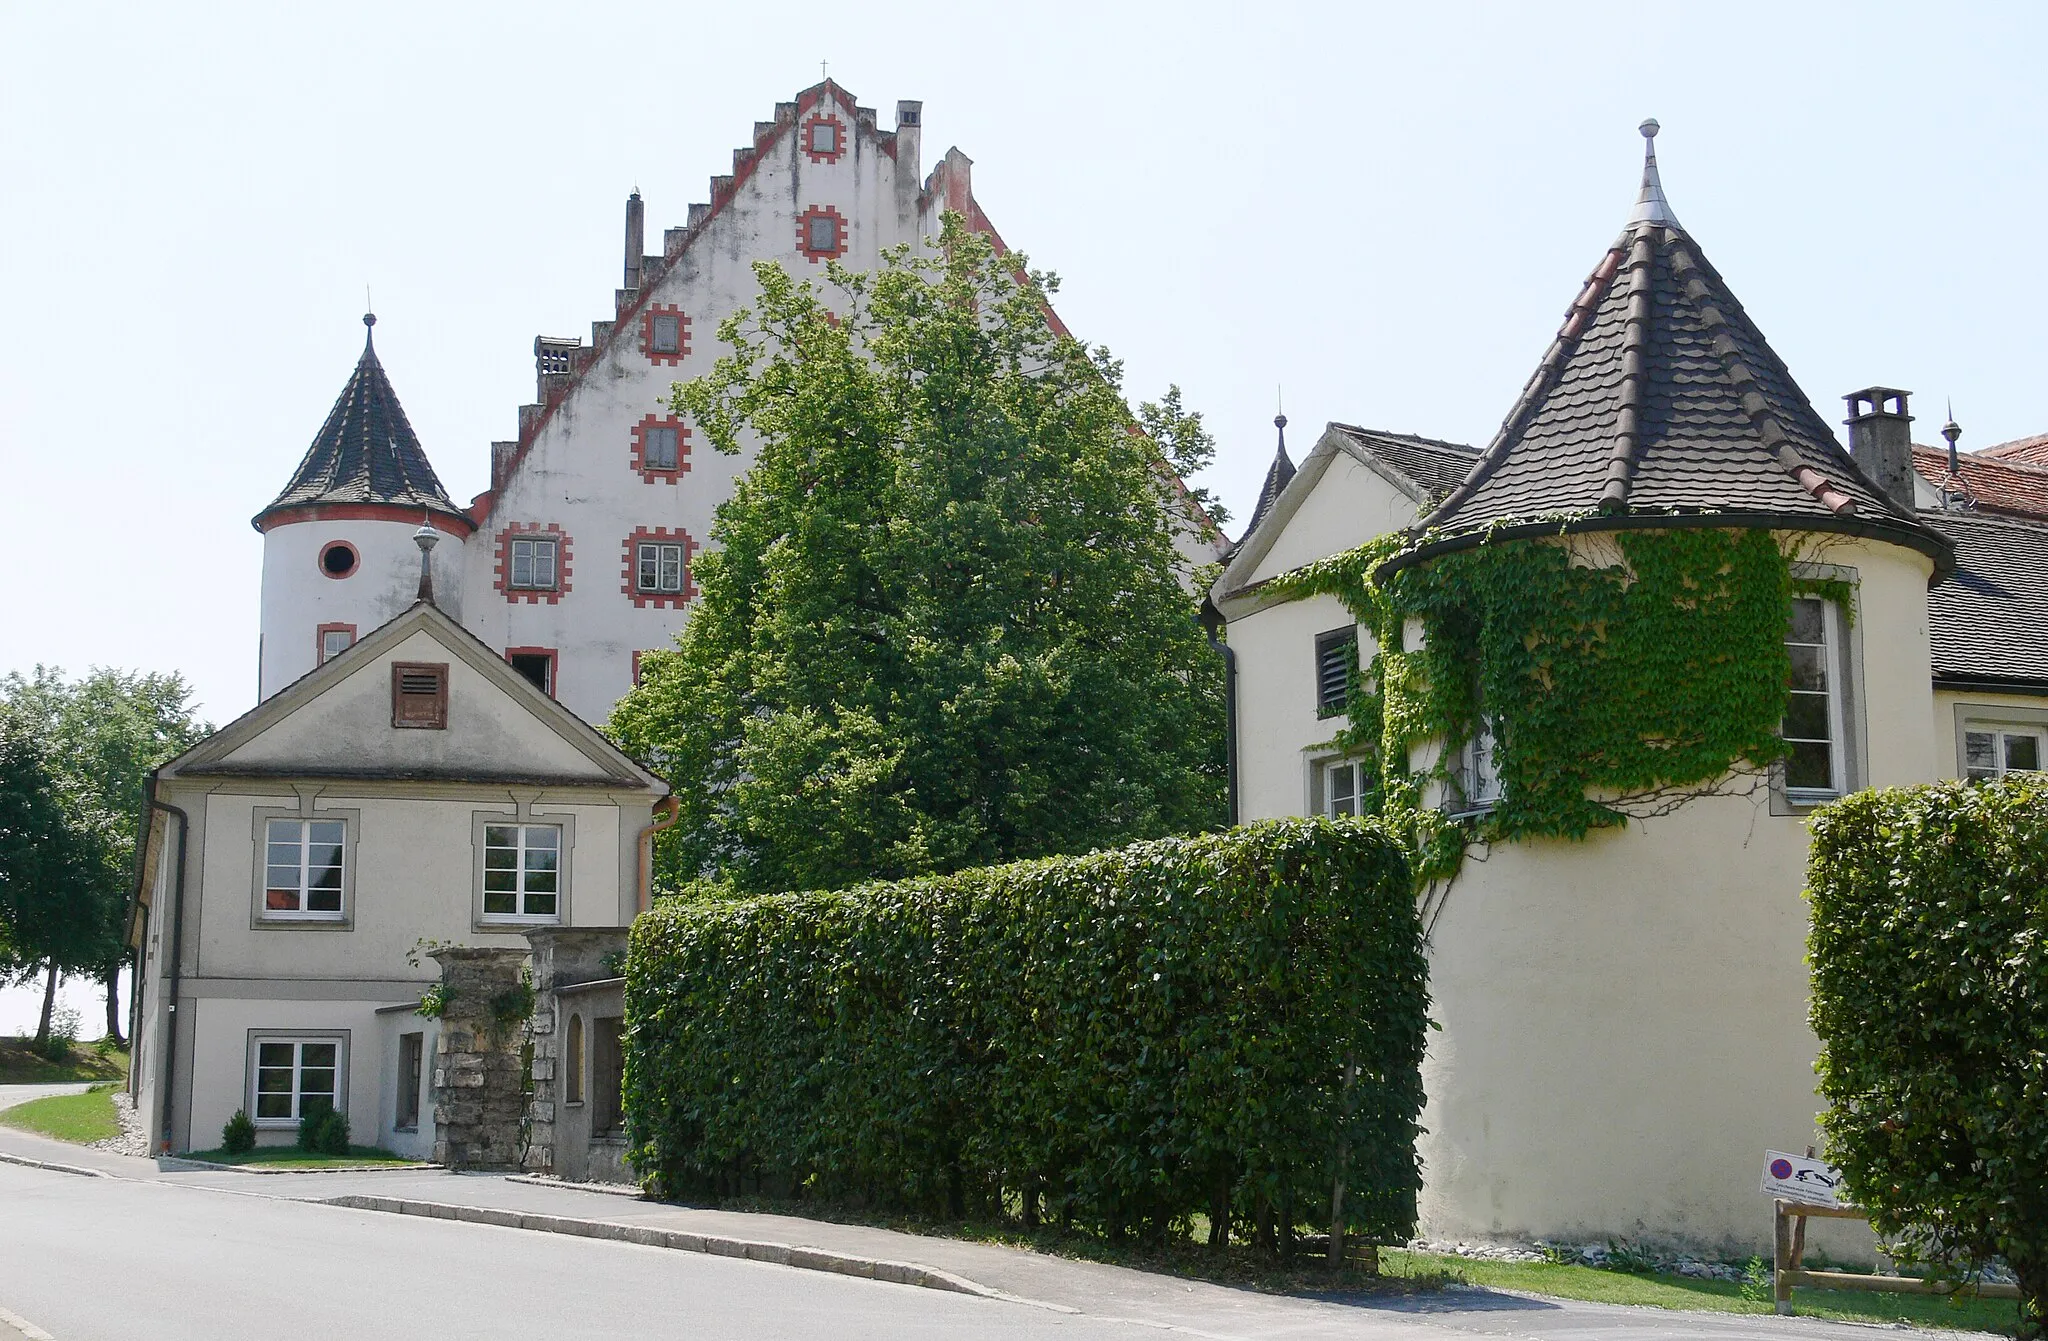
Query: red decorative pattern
x=670, y=600
x=809, y=141
x=503, y=575
x=803, y=233
x=682, y=350
x=649, y=473
x=393, y=512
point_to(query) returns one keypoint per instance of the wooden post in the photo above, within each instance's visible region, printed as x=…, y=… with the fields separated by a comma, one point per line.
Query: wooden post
x=1337, y=1224
x=1781, y=1259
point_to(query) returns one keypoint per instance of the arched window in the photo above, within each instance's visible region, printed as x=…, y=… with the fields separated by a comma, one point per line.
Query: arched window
x=575, y=1088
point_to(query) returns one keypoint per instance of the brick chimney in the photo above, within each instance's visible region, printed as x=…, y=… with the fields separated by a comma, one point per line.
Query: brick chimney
x=1881, y=440
x=636, y=238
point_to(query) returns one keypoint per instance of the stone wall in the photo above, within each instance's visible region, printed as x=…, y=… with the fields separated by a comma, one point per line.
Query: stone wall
x=563, y=957
x=479, y=1082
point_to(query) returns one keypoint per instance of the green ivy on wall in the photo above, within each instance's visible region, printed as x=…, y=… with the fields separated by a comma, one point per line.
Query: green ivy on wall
x=1619, y=670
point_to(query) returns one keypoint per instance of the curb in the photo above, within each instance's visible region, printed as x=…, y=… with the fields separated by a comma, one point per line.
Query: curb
x=778, y=1254
x=27, y=1163
x=179, y=1164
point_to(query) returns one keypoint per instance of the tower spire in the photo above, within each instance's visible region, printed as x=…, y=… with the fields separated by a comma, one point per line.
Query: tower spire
x=1651, y=206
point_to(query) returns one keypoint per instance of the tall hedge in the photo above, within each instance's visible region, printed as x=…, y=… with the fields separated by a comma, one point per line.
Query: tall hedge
x=1930, y=996
x=1226, y=1024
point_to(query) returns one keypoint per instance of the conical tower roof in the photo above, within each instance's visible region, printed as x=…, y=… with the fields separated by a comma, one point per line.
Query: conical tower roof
x=366, y=453
x=1661, y=403
x=1277, y=476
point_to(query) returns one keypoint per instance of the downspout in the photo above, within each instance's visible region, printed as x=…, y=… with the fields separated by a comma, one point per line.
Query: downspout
x=1212, y=620
x=170, y=1058
x=643, y=891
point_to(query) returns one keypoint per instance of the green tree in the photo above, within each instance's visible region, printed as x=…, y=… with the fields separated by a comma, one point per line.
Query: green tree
x=101, y=736
x=51, y=857
x=943, y=625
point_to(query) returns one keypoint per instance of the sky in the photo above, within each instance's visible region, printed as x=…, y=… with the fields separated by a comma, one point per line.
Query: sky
x=1380, y=212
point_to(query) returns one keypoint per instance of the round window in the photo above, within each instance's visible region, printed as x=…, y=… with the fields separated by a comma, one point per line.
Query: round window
x=338, y=558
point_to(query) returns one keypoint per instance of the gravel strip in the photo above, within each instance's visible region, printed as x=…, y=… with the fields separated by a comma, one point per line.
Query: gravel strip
x=134, y=1137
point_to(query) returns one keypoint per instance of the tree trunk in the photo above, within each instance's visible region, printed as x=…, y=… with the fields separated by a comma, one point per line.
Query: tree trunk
x=114, y=1006
x=49, y=1004
x=2033, y=1278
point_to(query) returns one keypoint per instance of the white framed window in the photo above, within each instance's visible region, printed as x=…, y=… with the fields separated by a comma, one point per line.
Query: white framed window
x=1993, y=749
x=1343, y=787
x=659, y=567
x=533, y=564
x=522, y=872
x=291, y=1076
x=659, y=447
x=1479, y=768
x=303, y=868
x=335, y=639
x=1814, y=732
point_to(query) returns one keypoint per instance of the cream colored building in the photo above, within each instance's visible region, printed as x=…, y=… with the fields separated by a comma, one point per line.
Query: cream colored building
x=1624, y=1018
x=413, y=790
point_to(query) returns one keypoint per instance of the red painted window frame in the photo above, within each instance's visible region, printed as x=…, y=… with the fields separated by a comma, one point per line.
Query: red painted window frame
x=838, y=150
x=647, y=333
x=650, y=473
x=320, y=640
x=355, y=560
x=554, y=658
x=502, y=578
x=660, y=600
x=839, y=233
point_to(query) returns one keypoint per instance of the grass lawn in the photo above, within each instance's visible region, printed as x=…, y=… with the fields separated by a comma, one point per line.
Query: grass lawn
x=79, y=1118
x=1683, y=1292
x=291, y=1157
x=21, y=1065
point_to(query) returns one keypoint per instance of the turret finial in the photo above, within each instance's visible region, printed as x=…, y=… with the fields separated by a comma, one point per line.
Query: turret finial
x=1952, y=430
x=1651, y=206
x=426, y=538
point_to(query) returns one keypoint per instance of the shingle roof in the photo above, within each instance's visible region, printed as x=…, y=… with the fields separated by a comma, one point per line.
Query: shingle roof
x=1660, y=397
x=1990, y=621
x=1277, y=475
x=366, y=452
x=2031, y=451
x=2003, y=486
x=1435, y=467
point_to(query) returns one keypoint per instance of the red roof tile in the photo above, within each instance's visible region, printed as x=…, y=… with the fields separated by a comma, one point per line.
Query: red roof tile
x=2010, y=486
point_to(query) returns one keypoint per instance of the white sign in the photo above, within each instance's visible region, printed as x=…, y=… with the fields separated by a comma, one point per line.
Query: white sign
x=1801, y=1178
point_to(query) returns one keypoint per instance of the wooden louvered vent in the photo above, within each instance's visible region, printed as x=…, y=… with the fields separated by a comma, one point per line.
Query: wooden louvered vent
x=419, y=695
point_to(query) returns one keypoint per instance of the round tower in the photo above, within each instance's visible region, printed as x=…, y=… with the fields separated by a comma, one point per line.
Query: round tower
x=338, y=552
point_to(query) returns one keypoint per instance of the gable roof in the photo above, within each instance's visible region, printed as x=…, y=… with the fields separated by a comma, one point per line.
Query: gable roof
x=2007, y=485
x=366, y=452
x=1428, y=468
x=2031, y=451
x=609, y=766
x=1660, y=398
x=1989, y=625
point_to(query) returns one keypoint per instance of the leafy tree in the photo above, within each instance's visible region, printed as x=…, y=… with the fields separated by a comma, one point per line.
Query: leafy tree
x=50, y=859
x=942, y=626
x=101, y=736
x=1185, y=444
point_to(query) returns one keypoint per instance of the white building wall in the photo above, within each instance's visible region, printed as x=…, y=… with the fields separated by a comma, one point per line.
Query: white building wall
x=298, y=597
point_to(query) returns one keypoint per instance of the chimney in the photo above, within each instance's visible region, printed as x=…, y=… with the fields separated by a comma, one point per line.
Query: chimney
x=1881, y=440
x=909, y=130
x=636, y=238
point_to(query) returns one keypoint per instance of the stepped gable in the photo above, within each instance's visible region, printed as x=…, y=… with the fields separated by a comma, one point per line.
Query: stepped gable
x=1661, y=399
x=366, y=453
x=1433, y=466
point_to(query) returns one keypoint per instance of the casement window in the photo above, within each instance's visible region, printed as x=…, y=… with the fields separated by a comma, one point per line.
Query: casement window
x=537, y=664
x=572, y=1090
x=411, y=1069
x=303, y=868
x=334, y=640
x=659, y=567
x=665, y=333
x=1479, y=768
x=1343, y=788
x=294, y=1077
x=1992, y=750
x=1336, y=659
x=659, y=447
x=533, y=565
x=419, y=695
x=1814, y=730
x=607, y=1077
x=522, y=872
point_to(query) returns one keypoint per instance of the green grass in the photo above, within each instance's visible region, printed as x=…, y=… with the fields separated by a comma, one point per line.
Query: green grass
x=22, y=1065
x=78, y=1118
x=291, y=1157
x=1683, y=1292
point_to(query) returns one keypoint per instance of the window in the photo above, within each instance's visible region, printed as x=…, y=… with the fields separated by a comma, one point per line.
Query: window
x=1813, y=703
x=821, y=232
x=573, y=1082
x=1991, y=751
x=1479, y=768
x=334, y=640
x=1343, y=788
x=1336, y=659
x=522, y=871
x=533, y=565
x=660, y=448
x=665, y=333
x=295, y=1077
x=608, y=1075
x=537, y=664
x=419, y=695
x=338, y=558
x=302, y=868
x=824, y=232
x=660, y=568
x=824, y=137
x=411, y=1060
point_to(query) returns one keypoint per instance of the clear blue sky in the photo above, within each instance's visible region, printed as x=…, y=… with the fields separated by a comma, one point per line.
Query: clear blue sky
x=1384, y=208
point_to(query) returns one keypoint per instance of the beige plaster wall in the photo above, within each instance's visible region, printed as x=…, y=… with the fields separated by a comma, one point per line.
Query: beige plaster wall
x=1953, y=707
x=1350, y=504
x=218, y=1071
x=1278, y=732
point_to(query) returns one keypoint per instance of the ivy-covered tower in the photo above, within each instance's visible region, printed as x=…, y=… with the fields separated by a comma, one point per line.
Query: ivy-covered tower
x=1663, y=533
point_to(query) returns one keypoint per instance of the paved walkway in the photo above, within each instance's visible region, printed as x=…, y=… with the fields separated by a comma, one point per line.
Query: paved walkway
x=1100, y=1291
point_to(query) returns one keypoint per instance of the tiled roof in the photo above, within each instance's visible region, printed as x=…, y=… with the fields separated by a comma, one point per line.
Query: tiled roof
x=2008, y=486
x=1660, y=396
x=1277, y=475
x=1435, y=467
x=1990, y=621
x=366, y=452
x=2031, y=451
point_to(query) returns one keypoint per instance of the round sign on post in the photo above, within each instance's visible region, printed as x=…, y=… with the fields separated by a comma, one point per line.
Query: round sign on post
x=1781, y=1168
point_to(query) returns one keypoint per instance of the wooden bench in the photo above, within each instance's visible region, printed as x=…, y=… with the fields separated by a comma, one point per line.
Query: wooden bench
x=1789, y=1246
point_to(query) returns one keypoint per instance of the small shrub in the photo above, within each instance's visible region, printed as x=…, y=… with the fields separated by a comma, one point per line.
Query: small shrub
x=238, y=1135
x=332, y=1137
x=63, y=1033
x=310, y=1119
x=1631, y=1257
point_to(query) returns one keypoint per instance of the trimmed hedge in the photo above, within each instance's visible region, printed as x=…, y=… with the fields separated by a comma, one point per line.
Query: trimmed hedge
x=1117, y=1040
x=1930, y=996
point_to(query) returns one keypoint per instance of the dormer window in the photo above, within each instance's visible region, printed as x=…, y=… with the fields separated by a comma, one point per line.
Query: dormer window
x=419, y=695
x=533, y=565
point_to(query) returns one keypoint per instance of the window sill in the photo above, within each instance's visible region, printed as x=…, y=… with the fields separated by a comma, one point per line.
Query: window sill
x=304, y=922
x=504, y=922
